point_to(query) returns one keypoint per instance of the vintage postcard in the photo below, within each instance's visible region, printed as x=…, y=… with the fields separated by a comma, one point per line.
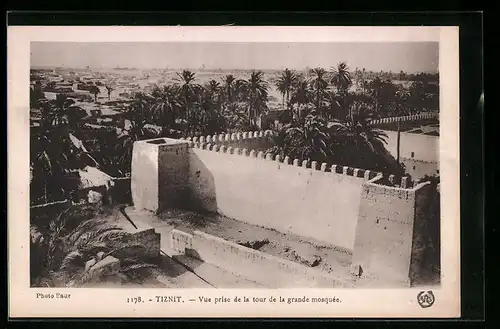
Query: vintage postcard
x=233, y=172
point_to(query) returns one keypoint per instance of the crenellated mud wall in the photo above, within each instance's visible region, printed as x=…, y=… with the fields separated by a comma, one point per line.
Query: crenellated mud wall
x=367, y=213
x=311, y=200
x=385, y=234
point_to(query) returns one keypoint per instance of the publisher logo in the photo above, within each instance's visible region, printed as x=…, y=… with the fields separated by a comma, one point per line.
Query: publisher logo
x=425, y=299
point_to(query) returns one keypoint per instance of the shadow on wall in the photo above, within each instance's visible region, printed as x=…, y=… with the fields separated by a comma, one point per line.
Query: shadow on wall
x=202, y=193
x=176, y=266
x=425, y=259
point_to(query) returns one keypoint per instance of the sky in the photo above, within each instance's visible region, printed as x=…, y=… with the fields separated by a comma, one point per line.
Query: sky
x=387, y=56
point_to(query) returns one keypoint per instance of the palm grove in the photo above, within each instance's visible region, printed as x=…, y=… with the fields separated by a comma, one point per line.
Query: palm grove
x=326, y=119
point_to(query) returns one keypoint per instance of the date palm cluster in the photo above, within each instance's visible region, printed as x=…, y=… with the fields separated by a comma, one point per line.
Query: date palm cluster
x=328, y=120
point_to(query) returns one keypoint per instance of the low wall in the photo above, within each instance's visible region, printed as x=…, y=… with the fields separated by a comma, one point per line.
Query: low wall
x=251, y=264
x=418, y=169
x=149, y=239
x=419, y=153
x=407, y=118
x=277, y=193
x=385, y=232
x=420, y=147
x=252, y=140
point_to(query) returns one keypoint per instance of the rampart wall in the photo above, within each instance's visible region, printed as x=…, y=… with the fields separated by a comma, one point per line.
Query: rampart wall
x=252, y=140
x=407, y=118
x=385, y=237
x=419, y=153
x=319, y=202
x=364, y=212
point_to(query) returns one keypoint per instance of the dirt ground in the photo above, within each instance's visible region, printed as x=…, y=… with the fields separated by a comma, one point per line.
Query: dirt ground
x=315, y=254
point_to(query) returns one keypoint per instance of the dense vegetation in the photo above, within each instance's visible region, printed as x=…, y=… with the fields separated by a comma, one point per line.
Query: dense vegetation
x=328, y=116
x=70, y=248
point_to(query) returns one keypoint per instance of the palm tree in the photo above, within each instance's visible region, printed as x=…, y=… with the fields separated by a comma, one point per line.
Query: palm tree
x=55, y=112
x=109, y=89
x=319, y=85
x=140, y=107
x=94, y=90
x=51, y=151
x=376, y=86
x=256, y=88
x=307, y=141
x=188, y=90
x=36, y=95
x=286, y=82
x=208, y=118
x=165, y=106
x=359, y=144
x=213, y=90
x=229, y=82
x=334, y=108
x=341, y=78
x=301, y=95
x=137, y=115
x=70, y=250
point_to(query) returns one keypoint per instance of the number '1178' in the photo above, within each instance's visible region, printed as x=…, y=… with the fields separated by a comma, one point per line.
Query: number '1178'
x=134, y=300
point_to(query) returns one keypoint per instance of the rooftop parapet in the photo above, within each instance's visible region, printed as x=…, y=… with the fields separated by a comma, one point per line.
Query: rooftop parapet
x=231, y=138
x=314, y=166
x=407, y=118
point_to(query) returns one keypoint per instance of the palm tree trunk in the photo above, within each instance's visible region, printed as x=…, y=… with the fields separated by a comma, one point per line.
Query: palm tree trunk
x=45, y=192
x=187, y=107
x=398, y=144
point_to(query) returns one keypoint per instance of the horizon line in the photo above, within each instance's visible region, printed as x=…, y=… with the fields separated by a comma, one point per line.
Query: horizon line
x=219, y=68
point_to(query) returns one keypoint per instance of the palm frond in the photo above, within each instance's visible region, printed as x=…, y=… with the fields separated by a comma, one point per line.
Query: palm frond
x=99, y=235
x=70, y=258
x=139, y=266
x=86, y=227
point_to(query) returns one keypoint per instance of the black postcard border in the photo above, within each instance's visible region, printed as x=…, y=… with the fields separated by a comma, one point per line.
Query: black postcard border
x=472, y=148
